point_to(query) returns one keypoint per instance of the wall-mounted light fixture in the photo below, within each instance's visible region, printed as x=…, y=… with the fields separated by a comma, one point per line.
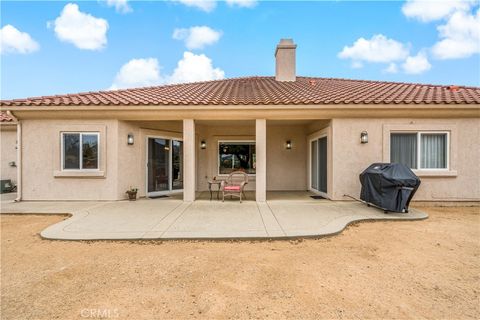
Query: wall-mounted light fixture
x=12, y=164
x=203, y=144
x=288, y=145
x=130, y=139
x=364, y=137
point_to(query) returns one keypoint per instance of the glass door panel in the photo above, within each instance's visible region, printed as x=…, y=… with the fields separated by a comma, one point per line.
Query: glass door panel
x=318, y=164
x=314, y=166
x=322, y=164
x=158, y=165
x=177, y=165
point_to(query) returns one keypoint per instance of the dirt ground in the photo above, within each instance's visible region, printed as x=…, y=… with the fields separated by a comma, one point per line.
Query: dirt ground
x=420, y=269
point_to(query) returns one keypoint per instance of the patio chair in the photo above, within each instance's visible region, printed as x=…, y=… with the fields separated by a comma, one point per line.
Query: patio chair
x=233, y=185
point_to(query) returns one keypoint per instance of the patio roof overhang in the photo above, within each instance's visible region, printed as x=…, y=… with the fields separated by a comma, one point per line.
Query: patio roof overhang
x=246, y=112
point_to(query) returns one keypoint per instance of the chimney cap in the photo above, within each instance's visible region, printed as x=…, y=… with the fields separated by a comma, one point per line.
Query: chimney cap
x=285, y=43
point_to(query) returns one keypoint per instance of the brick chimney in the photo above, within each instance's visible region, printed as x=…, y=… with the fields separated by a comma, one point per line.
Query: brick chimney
x=285, y=60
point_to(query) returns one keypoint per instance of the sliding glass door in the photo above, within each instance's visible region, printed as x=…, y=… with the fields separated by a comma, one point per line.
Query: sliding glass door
x=177, y=165
x=318, y=165
x=164, y=166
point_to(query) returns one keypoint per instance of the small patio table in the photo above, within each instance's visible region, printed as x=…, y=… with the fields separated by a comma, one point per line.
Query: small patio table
x=217, y=182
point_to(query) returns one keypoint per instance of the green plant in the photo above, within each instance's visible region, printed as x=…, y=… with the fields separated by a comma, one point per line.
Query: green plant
x=132, y=190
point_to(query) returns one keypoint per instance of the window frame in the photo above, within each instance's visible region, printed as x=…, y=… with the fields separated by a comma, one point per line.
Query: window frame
x=419, y=134
x=62, y=149
x=246, y=141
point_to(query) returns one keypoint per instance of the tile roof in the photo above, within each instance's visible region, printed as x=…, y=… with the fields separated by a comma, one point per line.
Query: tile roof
x=267, y=91
x=4, y=117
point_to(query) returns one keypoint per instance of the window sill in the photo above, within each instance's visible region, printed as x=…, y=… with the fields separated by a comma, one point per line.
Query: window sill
x=79, y=174
x=435, y=173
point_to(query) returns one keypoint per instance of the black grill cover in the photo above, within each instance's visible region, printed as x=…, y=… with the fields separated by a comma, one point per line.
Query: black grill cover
x=389, y=186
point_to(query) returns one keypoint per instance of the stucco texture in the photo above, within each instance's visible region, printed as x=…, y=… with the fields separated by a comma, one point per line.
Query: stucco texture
x=41, y=140
x=286, y=169
x=350, y=157
x=123, y=166
x=8, y=152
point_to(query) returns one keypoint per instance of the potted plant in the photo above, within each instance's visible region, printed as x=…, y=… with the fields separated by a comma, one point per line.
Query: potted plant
x=132, y=194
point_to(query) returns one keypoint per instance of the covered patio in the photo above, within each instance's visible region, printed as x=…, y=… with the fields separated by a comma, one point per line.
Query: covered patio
x=283, y=215
x=183, y=158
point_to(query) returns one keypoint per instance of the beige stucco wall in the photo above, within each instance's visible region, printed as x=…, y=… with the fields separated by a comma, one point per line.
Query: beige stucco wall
x=207, y=162
x=124, y=166
x=286, y=169
x=8, y=152
x=350, y=157
x=132, y=158
x=41, y=161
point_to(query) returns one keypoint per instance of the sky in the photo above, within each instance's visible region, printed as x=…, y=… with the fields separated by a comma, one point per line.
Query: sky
x=59, y=47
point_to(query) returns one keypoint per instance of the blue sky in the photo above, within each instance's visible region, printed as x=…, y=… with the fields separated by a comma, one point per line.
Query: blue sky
x=45, y=53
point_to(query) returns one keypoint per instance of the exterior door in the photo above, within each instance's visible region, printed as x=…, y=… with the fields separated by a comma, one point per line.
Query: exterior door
x=318, y=165
x=322, y=164
x=177, y=165
x=164, y=166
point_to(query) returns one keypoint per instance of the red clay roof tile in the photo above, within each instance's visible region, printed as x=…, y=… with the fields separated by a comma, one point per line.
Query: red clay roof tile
x=4, y=117
x=266, y=91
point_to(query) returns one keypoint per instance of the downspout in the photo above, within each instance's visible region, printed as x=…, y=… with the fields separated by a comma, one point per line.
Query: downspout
x=19, y=156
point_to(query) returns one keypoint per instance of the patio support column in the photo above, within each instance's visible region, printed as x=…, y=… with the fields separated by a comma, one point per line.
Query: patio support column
x=189, y=160
x=261, y=159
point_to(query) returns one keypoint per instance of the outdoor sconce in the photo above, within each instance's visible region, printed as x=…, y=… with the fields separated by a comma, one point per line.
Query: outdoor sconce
x=364, y=137
x=12, y=164
x=288, y=145
x=130, y=139
x=203, y=144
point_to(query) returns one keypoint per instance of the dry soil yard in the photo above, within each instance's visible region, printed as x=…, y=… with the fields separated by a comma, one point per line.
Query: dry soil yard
x=419, y=269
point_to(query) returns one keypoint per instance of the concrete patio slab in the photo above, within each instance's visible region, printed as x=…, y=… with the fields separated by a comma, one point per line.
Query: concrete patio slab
x=171, y=218
x=8, y=205
x=329, y=217
x=205, y=219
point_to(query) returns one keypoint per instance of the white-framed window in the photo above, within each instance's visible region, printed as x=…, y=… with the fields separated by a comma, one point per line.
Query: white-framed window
x=80, y=150
x=421, y=150
x=236, y=156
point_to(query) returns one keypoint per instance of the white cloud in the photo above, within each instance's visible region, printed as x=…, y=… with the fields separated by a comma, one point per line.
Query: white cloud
x=195, y=68
x=146, y=72
x=138, y=73
x=204, y=5
x=242, y=3
x=430, y=10
x=357, y=65
x=82, y=29
x=416, y=64
x=13, y=40
x=377, y=49
x=121, y=6
x=460, y=36
x=392, y=68
x=380, y=49
x=197, y=37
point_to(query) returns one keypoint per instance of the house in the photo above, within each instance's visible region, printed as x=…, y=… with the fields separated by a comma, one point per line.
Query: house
x=287, y=132
x=8, y=149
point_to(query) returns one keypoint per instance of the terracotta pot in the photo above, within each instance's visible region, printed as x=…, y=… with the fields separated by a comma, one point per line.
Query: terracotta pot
x=132, y=196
